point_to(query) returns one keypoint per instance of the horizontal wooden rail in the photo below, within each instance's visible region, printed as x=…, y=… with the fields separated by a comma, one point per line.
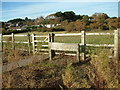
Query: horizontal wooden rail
x=7, y=35
x=41, y=36
x=68, y=34
x=44, y=45
x=39, y=41
x=42, y=49
x=15, y=42
x=6, y=41
x=20, y=35
x=95, y=45
x=99, y=33
x=101, y=45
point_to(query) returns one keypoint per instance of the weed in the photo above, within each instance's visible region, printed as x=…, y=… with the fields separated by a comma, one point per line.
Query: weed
x=107, y=69
x=75, y=78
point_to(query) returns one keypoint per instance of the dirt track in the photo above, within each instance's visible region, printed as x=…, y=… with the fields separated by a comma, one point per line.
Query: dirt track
x=43, y=74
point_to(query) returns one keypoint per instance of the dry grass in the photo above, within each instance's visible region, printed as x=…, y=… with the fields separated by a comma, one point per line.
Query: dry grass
x=63, y=72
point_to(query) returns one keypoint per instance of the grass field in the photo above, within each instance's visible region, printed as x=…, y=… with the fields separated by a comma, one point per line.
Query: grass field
x=99, y=39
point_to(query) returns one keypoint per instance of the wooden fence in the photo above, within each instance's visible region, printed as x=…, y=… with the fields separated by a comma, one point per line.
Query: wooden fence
x=83, y=44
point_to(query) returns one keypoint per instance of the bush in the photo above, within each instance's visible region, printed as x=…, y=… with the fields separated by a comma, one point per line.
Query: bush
x=107, y=70
x=75, y=77
x=49, y=29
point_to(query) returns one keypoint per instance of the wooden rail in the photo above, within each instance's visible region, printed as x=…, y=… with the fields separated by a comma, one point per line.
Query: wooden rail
x=64, y=47
x=83, y=44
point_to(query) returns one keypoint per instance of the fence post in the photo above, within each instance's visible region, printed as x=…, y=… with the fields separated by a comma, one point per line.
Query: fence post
x=1, y=47
x=83, y=56
x=117, y=44
x=78, y=53
x=51, y=52
x=52, y=37
x=33, y=43
x=28, y=36
x=49, y=38
x=13, y=41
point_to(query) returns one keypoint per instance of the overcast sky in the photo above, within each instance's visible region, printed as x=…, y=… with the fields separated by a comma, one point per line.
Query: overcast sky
x=11, y=10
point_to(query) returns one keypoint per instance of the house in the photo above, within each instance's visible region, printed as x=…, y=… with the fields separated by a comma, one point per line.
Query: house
x=51, y=25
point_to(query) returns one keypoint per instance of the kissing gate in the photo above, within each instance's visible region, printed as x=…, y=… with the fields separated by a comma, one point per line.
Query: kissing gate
x=67, y=47
x=32, y=40
x=76, y=47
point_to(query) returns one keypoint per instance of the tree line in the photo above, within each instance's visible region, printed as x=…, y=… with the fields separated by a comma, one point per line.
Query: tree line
x=72, y=22
x=69, y=21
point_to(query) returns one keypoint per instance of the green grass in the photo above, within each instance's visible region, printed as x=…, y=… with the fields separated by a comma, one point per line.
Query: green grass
x=93, y=39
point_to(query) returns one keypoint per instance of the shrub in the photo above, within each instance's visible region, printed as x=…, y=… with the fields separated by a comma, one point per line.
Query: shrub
x=75, y=77
x=107, y=69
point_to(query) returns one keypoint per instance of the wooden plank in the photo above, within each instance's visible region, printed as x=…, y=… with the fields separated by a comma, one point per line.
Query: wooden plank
x=1, y=42
x=117, y=44
x=7, y=35
x=16, y=42
x=7, y=41
x=49, y=38
x=39, y=41
x=100, y=45
x=28, y=37
x=21, y=42
x=44, y=45
x=63, y=46
x=20, y=35
x=83, y=45
x=33, y=43
x=51, y=52
x=78, y=53
x=13, y=41
x=52, y=37
x=68, y=34
x=99, y=33
x=41, y=36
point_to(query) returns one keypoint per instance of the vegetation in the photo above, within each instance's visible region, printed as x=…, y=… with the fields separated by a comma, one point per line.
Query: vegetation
x=64, y=72
x=68, y=21
x=4, y=32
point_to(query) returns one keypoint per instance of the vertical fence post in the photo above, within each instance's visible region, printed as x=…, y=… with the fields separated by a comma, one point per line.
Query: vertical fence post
x=1, y=41
x=117, y=44
x=33, y=43
x=83, y=56
x=28, y=36
x=78, y=53
x=13, y=41
x=51, y=39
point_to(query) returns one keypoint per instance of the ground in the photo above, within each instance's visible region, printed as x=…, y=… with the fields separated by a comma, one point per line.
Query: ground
x=61, y=72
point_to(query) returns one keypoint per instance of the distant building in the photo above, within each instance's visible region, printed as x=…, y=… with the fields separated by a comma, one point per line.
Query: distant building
x=51, y=25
